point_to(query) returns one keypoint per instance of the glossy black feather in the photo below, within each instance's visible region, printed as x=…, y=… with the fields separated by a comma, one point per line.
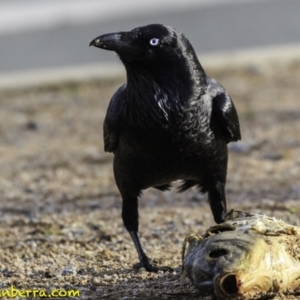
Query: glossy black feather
x=164, y=187
x=112, y=122
x=224, y=116
x=169, y=121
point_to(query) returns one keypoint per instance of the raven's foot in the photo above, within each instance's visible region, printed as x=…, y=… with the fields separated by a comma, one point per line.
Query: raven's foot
x=145, y=263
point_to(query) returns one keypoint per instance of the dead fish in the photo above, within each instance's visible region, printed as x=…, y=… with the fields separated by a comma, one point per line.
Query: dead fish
x=248, y=256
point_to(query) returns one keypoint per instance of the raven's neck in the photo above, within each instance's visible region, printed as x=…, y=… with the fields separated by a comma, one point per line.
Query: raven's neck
x=157, y=97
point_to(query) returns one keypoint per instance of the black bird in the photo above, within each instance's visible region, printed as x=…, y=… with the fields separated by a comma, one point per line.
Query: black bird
x=169, y=121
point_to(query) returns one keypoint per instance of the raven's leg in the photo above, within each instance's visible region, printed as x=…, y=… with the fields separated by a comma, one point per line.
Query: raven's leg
x=130, y=220
x=217, y=201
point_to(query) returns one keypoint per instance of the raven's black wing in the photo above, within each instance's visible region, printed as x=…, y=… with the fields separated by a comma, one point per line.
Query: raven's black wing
x=223, y=114
x=112, y=122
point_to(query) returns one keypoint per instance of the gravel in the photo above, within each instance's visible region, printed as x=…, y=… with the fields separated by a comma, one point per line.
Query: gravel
x=60, y=208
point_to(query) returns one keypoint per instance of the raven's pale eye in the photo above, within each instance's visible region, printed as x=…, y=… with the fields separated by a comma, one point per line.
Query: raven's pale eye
x=154, y=42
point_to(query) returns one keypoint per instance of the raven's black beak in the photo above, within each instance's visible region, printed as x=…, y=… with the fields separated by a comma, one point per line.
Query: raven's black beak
x=108, y=41
x=120, y=42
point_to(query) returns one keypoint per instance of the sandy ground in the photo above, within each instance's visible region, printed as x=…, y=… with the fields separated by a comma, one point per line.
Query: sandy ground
x=60, y=209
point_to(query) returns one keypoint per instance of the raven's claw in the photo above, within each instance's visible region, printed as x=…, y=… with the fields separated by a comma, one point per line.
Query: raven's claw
x=150, y=267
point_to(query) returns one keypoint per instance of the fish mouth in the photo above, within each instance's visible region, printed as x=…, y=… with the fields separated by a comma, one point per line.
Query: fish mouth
x=243, y=285
x=228, y=285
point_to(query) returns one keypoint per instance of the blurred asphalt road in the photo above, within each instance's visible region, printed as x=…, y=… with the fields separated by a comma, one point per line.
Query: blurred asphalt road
x=48, y=34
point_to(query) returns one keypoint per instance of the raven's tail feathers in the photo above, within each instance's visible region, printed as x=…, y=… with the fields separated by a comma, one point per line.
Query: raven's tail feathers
x=164, y=187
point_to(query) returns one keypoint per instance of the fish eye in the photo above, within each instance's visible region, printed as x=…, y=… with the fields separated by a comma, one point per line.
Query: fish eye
x=154, y=42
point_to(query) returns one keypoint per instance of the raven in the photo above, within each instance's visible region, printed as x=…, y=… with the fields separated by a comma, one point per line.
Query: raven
x=169, y=121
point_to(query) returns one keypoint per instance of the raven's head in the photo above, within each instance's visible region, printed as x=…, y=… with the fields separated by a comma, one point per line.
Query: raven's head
x=150, y=47
x=161, y=65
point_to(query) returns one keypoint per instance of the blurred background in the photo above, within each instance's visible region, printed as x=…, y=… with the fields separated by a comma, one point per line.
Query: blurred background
x=43, y=34
x=44, y=45
x=60, y=207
